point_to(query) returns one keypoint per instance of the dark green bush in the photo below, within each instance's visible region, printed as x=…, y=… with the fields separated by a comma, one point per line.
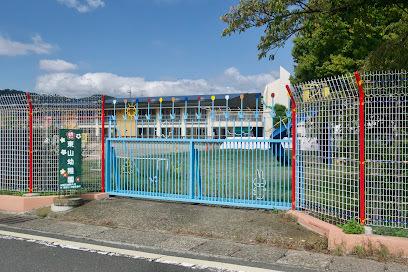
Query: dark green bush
x=352, y=227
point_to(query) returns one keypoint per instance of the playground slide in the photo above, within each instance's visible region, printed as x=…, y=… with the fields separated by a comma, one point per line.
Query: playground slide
x=282, y=154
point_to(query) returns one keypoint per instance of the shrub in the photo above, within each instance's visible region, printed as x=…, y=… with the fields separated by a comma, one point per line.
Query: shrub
x=390, y=231
x=352, y=227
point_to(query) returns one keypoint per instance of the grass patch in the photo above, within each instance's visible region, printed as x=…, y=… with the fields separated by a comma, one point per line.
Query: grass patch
x=90, y=175
x=14, y=193
x=330, y=189
x=225, y=174
x=43, y=212
x=360, y=251
x=339, y=250
x=390, y=231
x=352, y=227
x=381, y=253
x=261, y=239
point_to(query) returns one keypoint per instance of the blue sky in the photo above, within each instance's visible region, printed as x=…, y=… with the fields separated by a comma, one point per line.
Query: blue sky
x=151, y=47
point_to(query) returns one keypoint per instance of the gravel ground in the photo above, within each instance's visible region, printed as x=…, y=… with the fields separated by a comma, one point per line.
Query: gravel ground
x=238, y=225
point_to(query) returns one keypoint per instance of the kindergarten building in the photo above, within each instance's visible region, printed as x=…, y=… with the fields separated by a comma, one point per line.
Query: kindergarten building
x=210, y=116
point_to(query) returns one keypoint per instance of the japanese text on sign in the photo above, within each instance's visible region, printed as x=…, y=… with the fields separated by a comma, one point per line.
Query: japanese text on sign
x=70, y=159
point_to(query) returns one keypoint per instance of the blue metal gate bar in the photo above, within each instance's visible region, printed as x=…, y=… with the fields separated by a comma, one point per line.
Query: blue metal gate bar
x=243, y=173
x=217, y=150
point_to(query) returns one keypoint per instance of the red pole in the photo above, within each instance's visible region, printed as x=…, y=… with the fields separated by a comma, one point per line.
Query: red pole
x=361, y=96
x=30, y=144
x=293, y=109
x=103, y=145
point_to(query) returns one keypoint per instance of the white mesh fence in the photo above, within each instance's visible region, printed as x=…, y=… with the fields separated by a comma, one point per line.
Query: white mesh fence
x=386, y=148
x=328, y=156
x=50, y=114
x=14, y=142
x=327, y=152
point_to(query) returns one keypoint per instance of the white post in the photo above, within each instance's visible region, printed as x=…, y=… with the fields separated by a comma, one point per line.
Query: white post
x=158, y=123
x=209, y=124
x=183, y=123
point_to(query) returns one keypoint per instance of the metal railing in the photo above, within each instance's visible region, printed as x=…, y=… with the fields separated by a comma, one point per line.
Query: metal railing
x=14, y=143
x=29, y=141
x=352, y=154
x=234, y=172
x=213, y=157
x=386, y=148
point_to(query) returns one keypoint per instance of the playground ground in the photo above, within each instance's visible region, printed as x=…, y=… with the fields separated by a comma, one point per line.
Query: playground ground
x=236, y=225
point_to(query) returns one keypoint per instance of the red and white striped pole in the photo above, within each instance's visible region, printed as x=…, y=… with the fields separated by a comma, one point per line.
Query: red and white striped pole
x=30, y=143
x=293, y=110
x=361, y=111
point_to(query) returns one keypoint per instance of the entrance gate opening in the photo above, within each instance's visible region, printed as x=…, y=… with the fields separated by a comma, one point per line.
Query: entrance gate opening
x=206, y=161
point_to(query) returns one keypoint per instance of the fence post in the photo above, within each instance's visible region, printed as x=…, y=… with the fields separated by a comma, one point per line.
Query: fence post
x=361, y=97
x=30, y=143
x=192, y=169
x=103, y=145
x=293, y=109
x=108, y=166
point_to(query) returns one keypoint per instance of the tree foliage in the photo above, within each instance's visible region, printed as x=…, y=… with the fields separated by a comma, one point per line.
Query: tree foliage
x=330, y=36
x=10, y=91
x=280, y=111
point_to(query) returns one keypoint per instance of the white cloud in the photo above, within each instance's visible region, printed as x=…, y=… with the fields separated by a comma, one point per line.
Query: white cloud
x=14, y=48
x=83, y=6
x=56, y=65
x=74, y=85
x=256, y=82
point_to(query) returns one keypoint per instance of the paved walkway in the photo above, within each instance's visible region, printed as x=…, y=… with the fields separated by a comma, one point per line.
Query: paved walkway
x=236, y=225
x=258, y=254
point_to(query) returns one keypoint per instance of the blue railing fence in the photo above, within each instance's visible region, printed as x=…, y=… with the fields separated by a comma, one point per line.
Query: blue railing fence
x=237, y=172
x=227, y=150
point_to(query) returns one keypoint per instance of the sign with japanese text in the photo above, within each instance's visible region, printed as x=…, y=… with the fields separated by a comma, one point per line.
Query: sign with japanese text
x=70, y=159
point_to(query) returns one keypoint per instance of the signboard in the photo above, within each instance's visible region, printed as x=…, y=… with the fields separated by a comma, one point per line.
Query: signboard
x=70, y=159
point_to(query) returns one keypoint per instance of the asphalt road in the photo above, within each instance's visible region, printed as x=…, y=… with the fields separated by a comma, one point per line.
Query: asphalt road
x=21, y=255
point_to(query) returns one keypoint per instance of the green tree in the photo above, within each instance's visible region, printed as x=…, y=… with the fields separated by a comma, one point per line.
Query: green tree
x=330, y=36
x=280, y=117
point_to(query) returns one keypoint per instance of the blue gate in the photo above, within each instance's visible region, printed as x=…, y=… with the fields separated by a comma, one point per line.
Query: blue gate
x=206, y=158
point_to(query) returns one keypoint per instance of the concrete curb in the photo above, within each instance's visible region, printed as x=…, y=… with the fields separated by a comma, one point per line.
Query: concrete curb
x=95, y=196
x=57, y=209
x=20, y=204
x=347, y=242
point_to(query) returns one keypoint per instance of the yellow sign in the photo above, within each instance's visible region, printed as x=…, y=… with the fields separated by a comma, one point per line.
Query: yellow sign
x=306, y=95
x=131, y=110
x=326, y=92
